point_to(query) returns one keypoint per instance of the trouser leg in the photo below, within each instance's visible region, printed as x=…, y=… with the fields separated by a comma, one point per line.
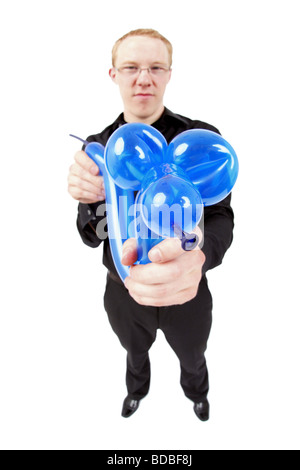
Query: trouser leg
x=136, y=328
x=187, y=328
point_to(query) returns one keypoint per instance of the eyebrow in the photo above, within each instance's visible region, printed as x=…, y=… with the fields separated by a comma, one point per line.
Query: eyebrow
x=132, y=62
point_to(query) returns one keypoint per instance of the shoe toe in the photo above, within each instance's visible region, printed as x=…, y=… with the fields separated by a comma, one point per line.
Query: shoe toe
x=129, y=407
x=202, y=410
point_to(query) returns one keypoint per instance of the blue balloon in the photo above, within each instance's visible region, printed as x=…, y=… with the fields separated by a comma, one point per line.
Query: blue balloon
x=198, y=168
x=208, y=160
x=169, y=199
x=131, y=151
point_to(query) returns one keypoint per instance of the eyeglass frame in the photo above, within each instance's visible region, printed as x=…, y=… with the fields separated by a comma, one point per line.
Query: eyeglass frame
x=140, y=69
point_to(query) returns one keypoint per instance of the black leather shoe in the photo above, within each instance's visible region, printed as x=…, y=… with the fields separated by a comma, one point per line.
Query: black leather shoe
x=202, y=410
x=129, y=407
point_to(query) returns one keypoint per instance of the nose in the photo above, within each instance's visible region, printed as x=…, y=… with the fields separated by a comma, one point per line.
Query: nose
x=144, y=77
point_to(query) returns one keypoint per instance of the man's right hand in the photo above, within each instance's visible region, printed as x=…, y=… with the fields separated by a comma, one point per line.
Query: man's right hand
x=84, y=183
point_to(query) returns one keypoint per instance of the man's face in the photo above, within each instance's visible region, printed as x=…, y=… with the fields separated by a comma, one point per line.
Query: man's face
x=143, y=93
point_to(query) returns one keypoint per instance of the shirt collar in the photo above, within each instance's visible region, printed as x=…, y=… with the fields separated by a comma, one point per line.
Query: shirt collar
x=120, y=121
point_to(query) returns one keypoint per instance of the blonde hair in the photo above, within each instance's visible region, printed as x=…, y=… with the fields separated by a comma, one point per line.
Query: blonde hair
x=151, y=33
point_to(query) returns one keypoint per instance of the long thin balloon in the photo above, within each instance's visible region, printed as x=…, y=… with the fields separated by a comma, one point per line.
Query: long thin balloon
x=118, y=203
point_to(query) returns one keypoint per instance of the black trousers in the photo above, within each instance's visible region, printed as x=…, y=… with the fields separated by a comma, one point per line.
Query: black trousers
x=186, y=328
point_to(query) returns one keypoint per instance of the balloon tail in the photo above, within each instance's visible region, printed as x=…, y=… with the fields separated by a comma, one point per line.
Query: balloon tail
x=189, y=241
x=79, y=138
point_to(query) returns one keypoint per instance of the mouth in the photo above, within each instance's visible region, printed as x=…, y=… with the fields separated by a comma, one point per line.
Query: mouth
x=143, y=95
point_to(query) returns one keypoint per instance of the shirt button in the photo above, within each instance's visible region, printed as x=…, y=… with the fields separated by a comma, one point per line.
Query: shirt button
x=89, y=212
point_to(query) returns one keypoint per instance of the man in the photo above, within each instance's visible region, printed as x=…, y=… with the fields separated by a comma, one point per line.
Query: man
x=171, y=292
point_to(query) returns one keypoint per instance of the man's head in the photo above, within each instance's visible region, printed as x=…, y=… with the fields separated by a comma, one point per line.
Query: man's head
x=142, y=62
x=149, y=33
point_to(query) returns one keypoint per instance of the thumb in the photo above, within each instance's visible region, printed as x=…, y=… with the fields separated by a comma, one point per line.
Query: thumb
x=166, y=250
x=170, y=249
x=129, y=253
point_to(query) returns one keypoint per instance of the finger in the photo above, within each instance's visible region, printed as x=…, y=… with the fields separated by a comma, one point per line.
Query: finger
x=86, y=162
x=179, y=298
x=154, y=273
x=129, y=252
x=88, y=201
x=163, y=273
x=80, y=183
x=199, y=233
x=83, y=196
x=77, y=170
x=158, y=291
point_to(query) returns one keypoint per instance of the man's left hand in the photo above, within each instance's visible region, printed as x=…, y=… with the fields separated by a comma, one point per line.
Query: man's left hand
x=172, y=277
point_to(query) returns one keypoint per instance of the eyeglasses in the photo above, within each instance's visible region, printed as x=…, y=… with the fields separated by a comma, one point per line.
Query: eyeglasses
x=132, y=70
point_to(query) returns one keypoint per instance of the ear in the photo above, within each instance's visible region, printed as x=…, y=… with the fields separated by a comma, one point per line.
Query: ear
x=130, y=153
x=208, y=160
x=112, y=74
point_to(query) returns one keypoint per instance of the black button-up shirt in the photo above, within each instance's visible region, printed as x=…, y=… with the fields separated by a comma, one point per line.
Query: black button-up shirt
x=218, y=219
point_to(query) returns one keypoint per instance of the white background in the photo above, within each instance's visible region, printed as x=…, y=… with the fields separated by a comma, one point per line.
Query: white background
x=62, y=369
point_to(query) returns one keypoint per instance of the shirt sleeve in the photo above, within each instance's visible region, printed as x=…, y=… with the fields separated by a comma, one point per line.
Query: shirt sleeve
x=87, y=221
x=218, y=232
x=87, y=218
x=218, y=223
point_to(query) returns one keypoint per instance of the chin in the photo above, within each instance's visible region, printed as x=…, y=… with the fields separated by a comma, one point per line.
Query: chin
x=142, y=112
x=145, y=112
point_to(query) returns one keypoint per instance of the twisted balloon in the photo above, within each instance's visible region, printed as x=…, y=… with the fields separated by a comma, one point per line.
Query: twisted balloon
x=198, y=168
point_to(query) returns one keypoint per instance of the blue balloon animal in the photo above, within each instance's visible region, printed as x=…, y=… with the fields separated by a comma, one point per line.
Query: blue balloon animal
x=198, y=168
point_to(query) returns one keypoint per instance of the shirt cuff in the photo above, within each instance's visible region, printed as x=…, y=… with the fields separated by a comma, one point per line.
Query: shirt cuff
x=87, y=213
